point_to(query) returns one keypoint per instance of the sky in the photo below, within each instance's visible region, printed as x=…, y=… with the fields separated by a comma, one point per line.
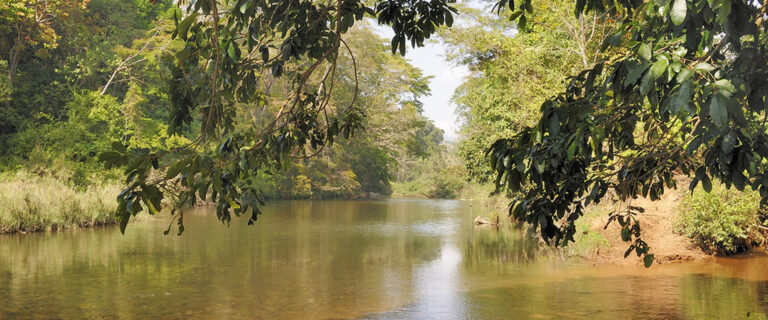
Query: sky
x=446, y=78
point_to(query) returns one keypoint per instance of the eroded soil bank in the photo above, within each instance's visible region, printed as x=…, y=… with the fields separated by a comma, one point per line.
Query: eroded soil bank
x=658, y=230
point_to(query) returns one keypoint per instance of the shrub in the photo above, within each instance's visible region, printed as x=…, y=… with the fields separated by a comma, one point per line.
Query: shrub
x=724, y=221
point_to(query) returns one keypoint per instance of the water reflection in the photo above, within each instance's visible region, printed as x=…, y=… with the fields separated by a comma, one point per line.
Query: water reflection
x=498, y=247
x=346, y=259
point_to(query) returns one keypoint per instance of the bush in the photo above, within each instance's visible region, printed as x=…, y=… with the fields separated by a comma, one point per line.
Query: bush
x=723, y=221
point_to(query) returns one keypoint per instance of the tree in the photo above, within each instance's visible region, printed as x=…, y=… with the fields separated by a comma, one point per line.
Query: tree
x=31, y=23
x=388, y=90
x=684, y=92
x=512, y=74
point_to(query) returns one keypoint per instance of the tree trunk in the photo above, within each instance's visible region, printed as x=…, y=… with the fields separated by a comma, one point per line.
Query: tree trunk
x=13, y=61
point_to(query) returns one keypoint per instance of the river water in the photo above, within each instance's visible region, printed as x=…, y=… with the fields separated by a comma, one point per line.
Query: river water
x=388, y=259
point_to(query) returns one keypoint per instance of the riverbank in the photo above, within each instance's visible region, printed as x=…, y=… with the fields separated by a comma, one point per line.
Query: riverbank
x=30, y=203
x=661, y=223
x=658, y=230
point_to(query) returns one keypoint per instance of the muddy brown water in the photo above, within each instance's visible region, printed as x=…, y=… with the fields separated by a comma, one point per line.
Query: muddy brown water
x=388, y=259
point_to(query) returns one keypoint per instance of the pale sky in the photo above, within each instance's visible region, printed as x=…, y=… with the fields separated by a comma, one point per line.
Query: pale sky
x=446, y=78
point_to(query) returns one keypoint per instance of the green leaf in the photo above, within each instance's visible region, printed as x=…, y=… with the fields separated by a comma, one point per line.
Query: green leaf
x=725, y=87
x=644, y=51
x=739, y=180
x=682, y=98
x=635, y=72
x=231, y=51
x=231, y=202
x=244, y=6
x=646, y=84
x=152, y=209
x=684, y=75
x=718, y=110
x=571, y=149
x=703, y=67
x=264, y=53
x=729, y=142
x=658, y=68
x=693, y=145
x=123, y=219
x=724, y=11
x=675, y=67
x=184, y=25
x=625, y=234
x=173, y=171
x=522, y=22
x=629, y=250
x=678, y=12
x=513, y=181
x=693, y=184
x=554, y=124
x=706, y=183
x=648, y=260
x=202, y=191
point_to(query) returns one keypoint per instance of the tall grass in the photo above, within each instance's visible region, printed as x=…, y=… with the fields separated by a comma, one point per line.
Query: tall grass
x=30, y=203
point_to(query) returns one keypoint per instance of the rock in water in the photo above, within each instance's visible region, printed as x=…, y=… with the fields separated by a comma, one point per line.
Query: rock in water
x=481, y=220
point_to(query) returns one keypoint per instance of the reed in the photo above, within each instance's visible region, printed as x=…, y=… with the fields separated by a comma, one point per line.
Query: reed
x=30, y=203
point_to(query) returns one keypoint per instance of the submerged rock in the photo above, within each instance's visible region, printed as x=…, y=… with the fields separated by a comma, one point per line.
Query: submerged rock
x=483, y=220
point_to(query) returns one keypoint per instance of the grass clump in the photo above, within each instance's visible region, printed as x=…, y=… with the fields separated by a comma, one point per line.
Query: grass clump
x=30, y=203
x=723, y=221
x=588, y=243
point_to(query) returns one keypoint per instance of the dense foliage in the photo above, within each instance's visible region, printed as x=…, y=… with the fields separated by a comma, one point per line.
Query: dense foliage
x=273, y=65
x=440, y=175
x=723, y=221
x=683, y=92
x=110, y=80
x=396, y=133
x=512, y=73
x=98, y=84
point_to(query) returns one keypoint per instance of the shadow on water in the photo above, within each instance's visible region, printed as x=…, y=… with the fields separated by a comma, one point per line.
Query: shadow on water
x=388, y=259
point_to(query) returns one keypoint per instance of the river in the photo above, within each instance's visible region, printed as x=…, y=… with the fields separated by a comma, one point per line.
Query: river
x=385, y=259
